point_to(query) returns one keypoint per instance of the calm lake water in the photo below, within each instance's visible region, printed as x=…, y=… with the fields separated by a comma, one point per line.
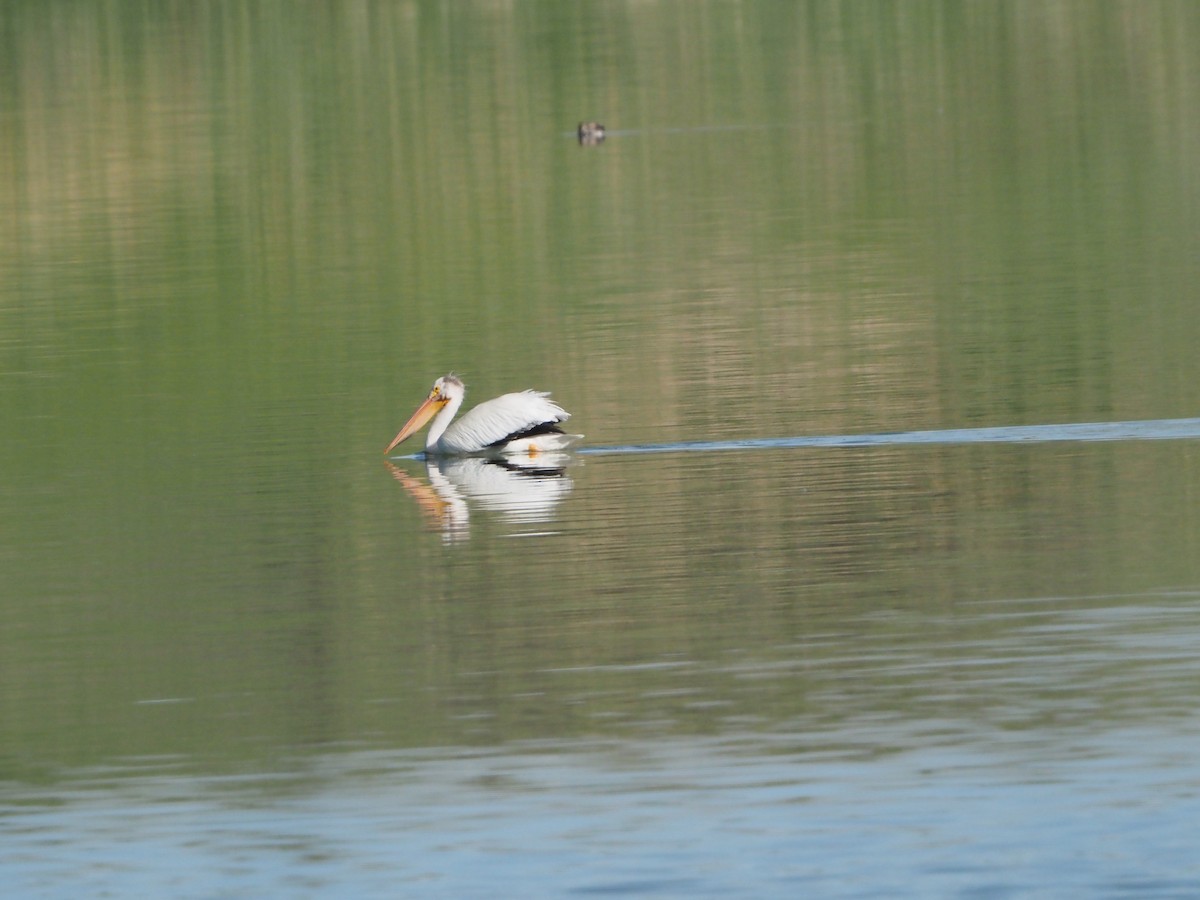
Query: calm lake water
x=878, y=573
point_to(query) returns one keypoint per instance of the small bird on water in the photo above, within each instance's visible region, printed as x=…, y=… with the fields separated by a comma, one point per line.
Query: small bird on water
x=590, y=133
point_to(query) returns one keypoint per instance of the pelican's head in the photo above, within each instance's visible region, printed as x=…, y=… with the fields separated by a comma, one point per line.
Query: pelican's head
x=447, y=389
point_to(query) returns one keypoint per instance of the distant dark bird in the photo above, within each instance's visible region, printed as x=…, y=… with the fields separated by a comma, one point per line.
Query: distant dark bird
x=590, y=133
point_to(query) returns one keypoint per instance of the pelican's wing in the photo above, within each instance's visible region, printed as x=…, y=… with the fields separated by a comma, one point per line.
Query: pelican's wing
x=493, y=422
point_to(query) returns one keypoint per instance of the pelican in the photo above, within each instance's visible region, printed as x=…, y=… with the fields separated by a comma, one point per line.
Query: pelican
x=524, y=422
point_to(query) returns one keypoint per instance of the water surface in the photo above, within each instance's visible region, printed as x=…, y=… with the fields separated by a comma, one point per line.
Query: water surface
x=877, y=574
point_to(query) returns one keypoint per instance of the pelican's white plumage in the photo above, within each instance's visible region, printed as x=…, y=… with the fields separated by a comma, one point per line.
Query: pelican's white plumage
x=523, y=422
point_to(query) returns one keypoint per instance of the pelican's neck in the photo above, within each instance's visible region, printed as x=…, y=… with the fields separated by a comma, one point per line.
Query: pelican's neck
x=440, y=423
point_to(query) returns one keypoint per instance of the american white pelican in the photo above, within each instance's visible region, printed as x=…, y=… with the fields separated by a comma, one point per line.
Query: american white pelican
x=524, y=422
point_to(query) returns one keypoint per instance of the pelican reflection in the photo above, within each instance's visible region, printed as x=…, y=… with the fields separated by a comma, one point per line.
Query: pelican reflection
x=522, y=490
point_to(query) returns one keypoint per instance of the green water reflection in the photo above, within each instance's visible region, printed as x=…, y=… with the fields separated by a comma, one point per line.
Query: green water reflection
x=240, y=239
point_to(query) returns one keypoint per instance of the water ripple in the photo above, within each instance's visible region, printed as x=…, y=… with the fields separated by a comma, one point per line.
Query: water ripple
x=1144, y=430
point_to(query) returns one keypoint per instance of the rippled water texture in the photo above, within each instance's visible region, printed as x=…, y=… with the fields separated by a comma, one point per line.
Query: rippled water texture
x=877, y=571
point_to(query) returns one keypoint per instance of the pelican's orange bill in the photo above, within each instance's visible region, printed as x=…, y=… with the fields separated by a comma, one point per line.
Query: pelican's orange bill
x=426, y=411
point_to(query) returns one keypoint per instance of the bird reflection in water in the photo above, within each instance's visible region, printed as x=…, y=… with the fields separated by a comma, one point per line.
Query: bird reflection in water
x=523, y=490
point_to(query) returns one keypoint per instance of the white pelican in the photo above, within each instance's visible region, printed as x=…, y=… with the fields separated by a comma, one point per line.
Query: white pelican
x=524, y=422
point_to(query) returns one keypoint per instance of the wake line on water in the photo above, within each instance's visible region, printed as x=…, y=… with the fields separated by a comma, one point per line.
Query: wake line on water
x=1146, y=430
